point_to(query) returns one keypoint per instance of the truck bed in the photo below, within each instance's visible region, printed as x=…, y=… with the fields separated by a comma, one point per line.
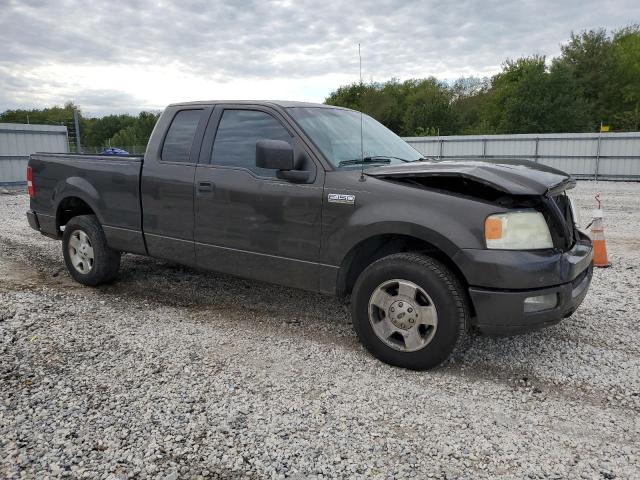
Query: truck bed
x=108, y=184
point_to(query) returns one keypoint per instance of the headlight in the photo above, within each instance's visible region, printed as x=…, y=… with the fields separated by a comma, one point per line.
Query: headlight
x=522, y=230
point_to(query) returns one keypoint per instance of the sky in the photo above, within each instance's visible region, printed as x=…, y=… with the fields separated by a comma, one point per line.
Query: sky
x=122, y=56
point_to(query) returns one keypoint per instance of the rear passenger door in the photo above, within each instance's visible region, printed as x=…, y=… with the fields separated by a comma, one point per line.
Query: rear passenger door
x=167, y=184
x=248, y=222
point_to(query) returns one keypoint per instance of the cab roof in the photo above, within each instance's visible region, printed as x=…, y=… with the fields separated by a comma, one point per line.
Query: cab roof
x=278, y=103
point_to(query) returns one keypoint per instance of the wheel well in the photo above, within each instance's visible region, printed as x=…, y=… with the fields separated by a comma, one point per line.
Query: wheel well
x=71, y=207
x=374, y=248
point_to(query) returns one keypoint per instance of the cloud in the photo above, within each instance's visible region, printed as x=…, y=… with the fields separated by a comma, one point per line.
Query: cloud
x=128, y=55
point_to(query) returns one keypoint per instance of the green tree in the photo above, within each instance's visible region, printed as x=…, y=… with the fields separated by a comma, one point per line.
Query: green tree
x=625, y=88
x=589, y=57
x=513, y=104
x=380, y=101
x=606, y=69
x=428, y=108
x=470, y=97
x=412, y=107
x=97, y=131
x=348, y=96
x=137, y=133
x=526, y=97
x=44, y=116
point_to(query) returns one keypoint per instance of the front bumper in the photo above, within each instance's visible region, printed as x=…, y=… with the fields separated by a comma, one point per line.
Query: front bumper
x=502, y=312
x=501, y=281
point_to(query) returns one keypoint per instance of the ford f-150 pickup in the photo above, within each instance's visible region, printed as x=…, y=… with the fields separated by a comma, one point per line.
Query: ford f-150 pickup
x=327, y=199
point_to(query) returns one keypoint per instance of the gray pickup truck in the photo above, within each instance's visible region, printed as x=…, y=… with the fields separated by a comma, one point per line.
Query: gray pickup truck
x=328, y=200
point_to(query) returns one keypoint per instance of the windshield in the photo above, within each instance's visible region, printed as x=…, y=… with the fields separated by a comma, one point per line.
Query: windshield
x=336, y=133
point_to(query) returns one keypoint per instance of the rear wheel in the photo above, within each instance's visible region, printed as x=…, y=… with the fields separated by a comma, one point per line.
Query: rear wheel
x=409, y=310
x=86, y=254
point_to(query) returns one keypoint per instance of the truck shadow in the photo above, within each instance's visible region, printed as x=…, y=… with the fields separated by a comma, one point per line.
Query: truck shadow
x=202, y=294
x=179, y=286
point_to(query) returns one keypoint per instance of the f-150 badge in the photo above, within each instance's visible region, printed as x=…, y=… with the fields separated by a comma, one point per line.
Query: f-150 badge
x=342, y=198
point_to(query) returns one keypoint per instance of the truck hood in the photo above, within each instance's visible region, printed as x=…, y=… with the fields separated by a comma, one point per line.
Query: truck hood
x=515, y=177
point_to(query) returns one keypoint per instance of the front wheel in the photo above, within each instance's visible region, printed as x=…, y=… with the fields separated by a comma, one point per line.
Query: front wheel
x=409, y=310
x=88, y=258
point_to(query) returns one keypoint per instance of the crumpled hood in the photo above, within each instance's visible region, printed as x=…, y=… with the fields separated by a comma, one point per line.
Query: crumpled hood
x=516, y=177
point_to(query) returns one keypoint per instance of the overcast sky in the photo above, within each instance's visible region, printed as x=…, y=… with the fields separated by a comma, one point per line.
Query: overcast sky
x=128, y=55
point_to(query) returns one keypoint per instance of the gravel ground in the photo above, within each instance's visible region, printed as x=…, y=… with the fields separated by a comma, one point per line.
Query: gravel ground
x=174, y=373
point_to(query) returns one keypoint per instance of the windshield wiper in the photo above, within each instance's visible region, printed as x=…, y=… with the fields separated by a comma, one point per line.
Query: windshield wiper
x=371, y=159
x=358, y=161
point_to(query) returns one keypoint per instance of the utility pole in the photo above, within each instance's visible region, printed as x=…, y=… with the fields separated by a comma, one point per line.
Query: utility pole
x=76, y=121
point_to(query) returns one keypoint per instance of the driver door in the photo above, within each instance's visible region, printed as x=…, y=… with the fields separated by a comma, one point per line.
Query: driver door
x=248, y=222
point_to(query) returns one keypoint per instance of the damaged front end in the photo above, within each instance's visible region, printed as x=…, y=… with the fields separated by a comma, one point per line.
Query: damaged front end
x=512, y=290
x=508, y=184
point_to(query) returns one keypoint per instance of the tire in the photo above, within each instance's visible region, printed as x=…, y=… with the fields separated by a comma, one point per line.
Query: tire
x=417, y=332
x=85, y=233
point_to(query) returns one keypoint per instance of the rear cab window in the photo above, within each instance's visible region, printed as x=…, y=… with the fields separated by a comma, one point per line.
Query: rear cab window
x=179, y=139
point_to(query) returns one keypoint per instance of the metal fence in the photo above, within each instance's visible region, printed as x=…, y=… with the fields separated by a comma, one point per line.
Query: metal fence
x=18, y=141
x=606, y=156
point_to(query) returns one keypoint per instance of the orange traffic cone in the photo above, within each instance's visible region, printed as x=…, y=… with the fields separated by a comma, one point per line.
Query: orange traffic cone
x=597, y=236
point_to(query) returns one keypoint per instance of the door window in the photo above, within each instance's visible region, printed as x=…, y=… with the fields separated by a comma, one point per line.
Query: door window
x=238, y=132
x=177, y=143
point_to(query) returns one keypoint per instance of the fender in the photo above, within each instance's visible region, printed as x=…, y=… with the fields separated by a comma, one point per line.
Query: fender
x=392, y=229
x=80, y=188
x=403, y=228
x=443, y=226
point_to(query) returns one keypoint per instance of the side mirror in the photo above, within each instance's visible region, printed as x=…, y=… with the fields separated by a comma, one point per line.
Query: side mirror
x=274, y=154
x=278, y=155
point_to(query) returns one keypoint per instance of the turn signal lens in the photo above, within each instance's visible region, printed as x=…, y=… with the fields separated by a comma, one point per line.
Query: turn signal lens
x=521, y=230
x=493, y=228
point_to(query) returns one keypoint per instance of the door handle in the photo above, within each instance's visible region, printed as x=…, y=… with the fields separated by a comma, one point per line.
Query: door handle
x=205, y=187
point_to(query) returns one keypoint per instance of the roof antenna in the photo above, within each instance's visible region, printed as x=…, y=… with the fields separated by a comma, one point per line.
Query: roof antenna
x=362, y=177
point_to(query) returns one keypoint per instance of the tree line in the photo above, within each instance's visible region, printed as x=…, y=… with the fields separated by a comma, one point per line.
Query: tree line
x=594, y=81
x=121, y=130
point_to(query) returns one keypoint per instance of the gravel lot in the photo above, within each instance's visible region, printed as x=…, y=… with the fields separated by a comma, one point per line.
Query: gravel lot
x=173, y=373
